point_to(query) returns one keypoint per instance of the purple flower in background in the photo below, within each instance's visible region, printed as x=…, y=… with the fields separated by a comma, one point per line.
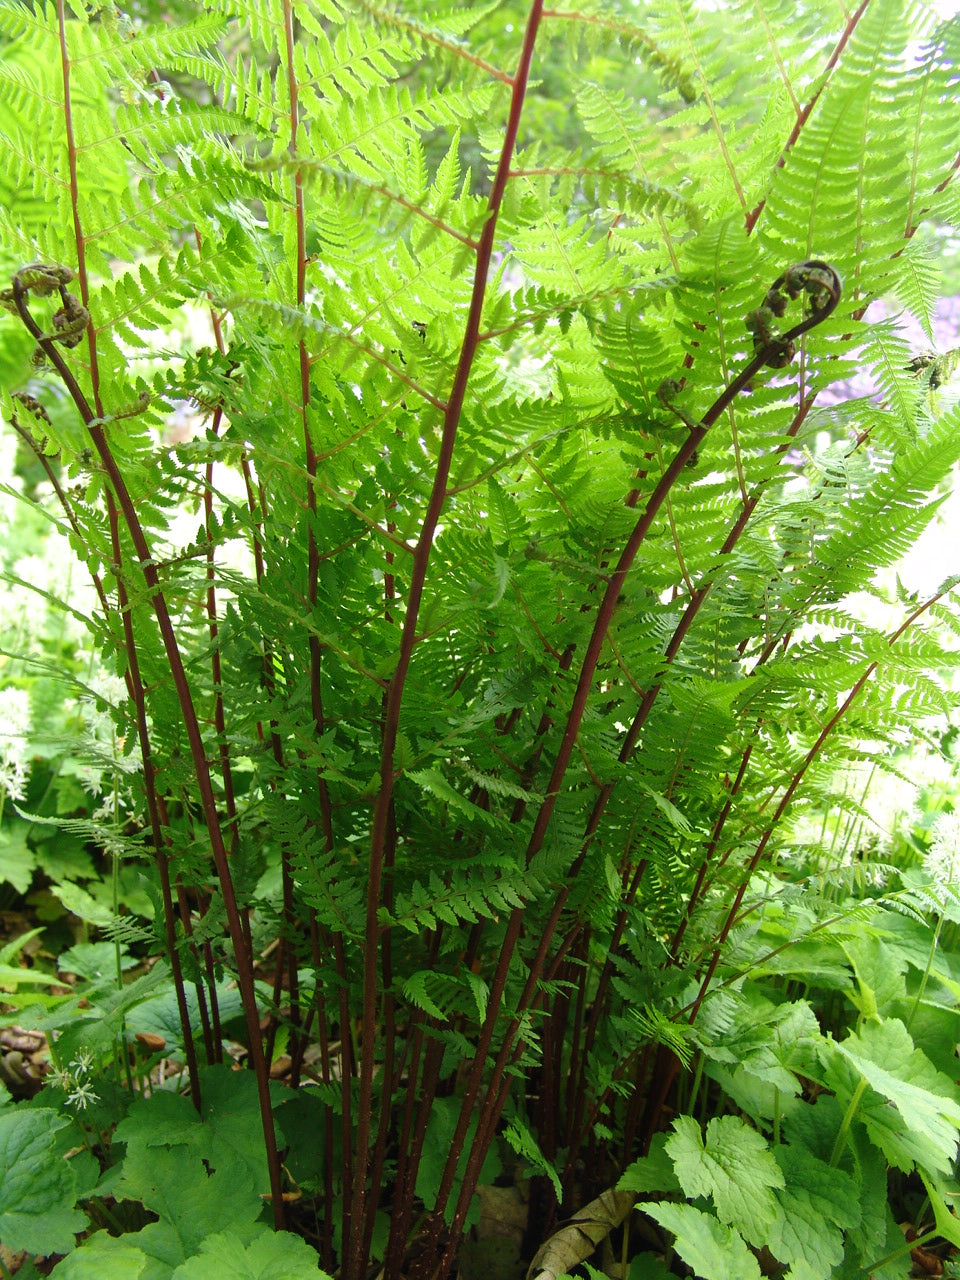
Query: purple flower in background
x=945, y=324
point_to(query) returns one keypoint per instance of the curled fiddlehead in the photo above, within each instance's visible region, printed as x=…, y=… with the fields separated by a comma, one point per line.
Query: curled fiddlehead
x=32, y=405
x=38, y=278
x=823, y=287
x=934, y=368
x=41, y=279
x=70, y=321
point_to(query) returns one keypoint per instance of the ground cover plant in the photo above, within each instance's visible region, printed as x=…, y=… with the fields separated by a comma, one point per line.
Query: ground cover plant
x=450, y=695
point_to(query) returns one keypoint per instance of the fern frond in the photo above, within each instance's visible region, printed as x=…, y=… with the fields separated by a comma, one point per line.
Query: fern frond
x=596, y=26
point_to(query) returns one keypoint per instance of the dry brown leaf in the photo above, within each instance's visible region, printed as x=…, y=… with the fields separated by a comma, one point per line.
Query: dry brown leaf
x=926, y=1263
x=151, y=1041
x=577, y=1240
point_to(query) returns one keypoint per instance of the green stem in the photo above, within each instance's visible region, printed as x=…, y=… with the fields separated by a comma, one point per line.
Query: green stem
x=115, y=904
x=844, y=1131
x=776, y=1116
x=899, y=1253
x=695, y=1086
x=109, y=1219
x=926, y=973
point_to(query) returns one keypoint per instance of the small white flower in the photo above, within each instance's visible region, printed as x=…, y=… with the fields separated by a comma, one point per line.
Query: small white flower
x=102, y=752
x=61, y=1079
x=13, y=778
x=942, y=860
x=82, y=1063
x=14, y=741
x=82, y=1096
x=14, y=713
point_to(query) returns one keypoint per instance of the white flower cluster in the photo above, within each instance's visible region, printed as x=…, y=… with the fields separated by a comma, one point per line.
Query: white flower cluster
x=72, y=1080
x=14, y=742
x=942, y=860
x=102, y=750
x=29, y=619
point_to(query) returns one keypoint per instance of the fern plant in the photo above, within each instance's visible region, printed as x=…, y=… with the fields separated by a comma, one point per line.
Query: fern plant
x=513, y=613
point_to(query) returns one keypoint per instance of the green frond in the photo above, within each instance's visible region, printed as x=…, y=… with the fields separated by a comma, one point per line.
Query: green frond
x=362, y=136
x=809, y=202
x=144, y=49
x=18, y=19
x=916, y=280
x=901, y=501
x=430, y=206
x=596, y=27
x=264, y=19
x=440, y=30
x=496, y=704
x=464, y=897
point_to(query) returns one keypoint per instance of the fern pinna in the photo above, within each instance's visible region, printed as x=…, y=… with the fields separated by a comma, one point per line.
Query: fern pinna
x=514, y=614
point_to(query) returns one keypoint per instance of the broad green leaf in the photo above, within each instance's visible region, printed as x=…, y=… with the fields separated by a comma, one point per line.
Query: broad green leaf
x=815, y=960
x=161, y=1016
x=652, y=1172
x=803, y=1270
x=94, y=960
x=231, y=1112
x=162, y=1120
x=714, y=1251
x=815, y=1128
x=83, y=904
x=301, y=1119
x=923, y=1122
x=648, y=1266
x=37, y=1185
x=760, y=1057
x=13, y=976
x=733, y=1166
x=934, y=1028
x=879, y=970
x=103, y=1257
x=226, y=1134
x=757, y=1099
x=191, y=1201
x=269, y=1256
x=12, y=949
x=17, y=860
x=152, y=1253
x=867, y=1238
x=814, y=1206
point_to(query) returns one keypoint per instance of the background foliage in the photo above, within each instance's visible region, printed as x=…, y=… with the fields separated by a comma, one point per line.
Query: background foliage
x=474, y=639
